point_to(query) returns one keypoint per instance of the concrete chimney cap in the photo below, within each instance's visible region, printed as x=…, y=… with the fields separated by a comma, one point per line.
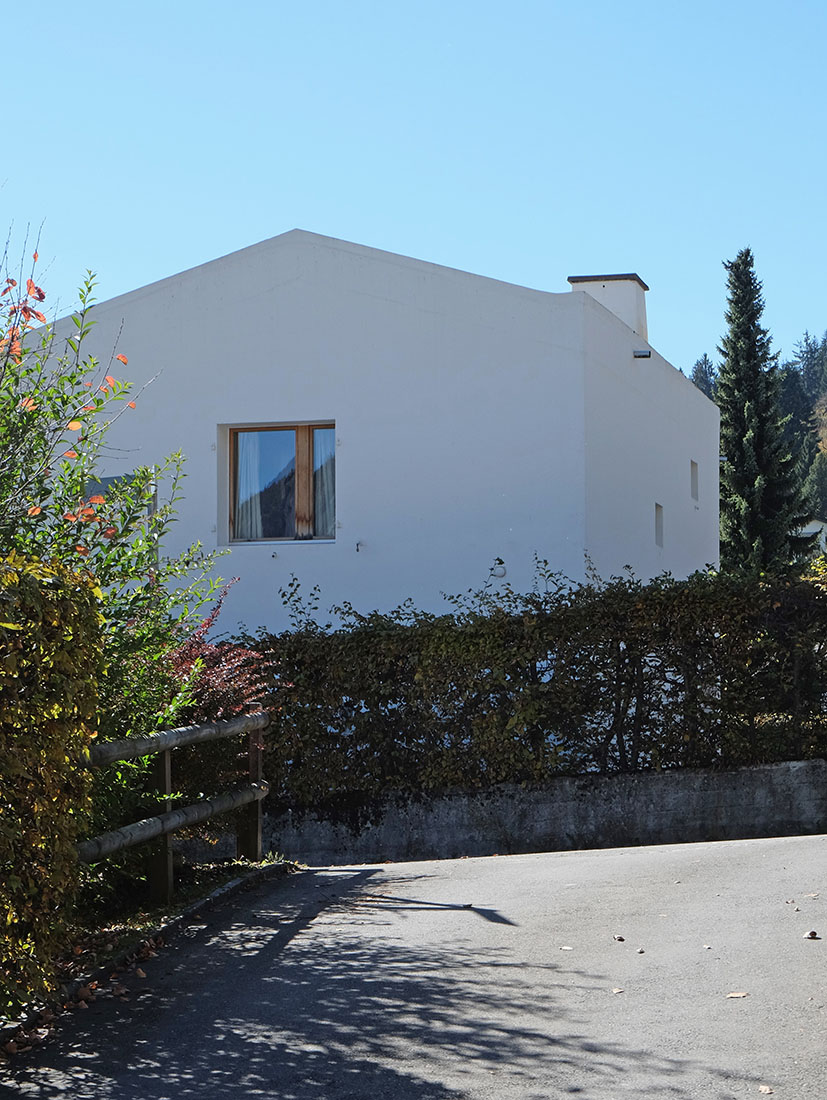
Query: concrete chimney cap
x=629, y=277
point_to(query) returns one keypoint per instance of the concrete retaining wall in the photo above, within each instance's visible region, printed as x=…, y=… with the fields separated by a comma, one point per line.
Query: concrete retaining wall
x=588, y=811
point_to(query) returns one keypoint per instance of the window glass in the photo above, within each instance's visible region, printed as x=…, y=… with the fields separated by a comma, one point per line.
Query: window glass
x=265, y=484
x=324, y=482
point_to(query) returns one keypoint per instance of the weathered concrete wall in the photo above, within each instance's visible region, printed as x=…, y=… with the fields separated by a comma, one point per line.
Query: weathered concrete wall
x=583, y=812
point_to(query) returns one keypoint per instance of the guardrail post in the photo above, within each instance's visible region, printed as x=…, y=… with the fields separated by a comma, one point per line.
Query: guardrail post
x=248, y=834
x=160, y=872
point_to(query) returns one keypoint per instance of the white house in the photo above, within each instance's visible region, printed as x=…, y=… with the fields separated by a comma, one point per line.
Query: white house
x=387, y=428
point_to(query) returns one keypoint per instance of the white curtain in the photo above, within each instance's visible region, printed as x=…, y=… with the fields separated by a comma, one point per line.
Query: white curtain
x=324, y=483
x=248, y=486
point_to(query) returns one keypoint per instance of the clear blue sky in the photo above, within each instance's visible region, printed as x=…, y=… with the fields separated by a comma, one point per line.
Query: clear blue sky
x=525, y=140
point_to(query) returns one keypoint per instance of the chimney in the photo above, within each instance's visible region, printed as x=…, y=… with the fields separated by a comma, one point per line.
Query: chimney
x=623, y=295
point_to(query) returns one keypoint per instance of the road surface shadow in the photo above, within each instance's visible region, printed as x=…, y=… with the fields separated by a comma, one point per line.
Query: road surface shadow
x=283, y=993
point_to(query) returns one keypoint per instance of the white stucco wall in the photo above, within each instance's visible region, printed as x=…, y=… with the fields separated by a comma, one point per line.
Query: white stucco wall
x=645, y=425
x=466, y=423
x=622, y=295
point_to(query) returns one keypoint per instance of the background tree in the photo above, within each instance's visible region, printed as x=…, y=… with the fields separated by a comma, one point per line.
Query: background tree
x=816, y=486
x=811, y=362
x=705, y=376
x=798, y=424
x=763, y=505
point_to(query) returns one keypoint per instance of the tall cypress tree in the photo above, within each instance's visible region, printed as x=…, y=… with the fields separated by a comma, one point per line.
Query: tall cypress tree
x=763, y=505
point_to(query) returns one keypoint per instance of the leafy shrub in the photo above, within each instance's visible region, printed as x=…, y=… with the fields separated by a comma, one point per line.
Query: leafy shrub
x=50, y=653
x=223, y=680
x=712, y=671
x=57, y=403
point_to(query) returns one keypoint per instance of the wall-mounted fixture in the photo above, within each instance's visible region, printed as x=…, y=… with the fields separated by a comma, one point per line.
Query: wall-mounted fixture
x=642, y=353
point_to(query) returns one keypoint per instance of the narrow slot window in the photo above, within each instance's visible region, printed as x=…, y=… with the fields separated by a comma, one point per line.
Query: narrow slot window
x=693, y=479
x=659, y=525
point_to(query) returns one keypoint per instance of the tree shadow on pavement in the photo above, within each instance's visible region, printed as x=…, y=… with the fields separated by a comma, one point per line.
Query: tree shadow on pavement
x=288, y=993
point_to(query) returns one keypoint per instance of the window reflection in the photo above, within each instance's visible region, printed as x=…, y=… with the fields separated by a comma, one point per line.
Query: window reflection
x=266, y=485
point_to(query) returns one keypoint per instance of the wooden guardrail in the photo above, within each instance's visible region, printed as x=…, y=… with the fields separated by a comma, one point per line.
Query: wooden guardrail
x=161, y=745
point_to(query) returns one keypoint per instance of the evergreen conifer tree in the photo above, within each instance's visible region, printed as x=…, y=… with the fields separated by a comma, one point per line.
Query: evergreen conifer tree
x=816, y=486
x=705, y=376
x=811, y=360
x=763, y=506
x=796, y=412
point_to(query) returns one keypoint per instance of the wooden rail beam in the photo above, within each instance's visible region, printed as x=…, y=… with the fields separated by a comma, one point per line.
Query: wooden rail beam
x=129, y=748
x=90, y=851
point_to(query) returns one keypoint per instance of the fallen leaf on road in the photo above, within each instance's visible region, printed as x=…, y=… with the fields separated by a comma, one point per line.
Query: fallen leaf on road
x=620, y=939
x=737, y=994
x=812, y=935
x=119, y=990
x=765, y=1089
x=811, y=895
x=707, y=947
x=640, y=951
x=618, y=990
x=141, y=973
x=567, y=949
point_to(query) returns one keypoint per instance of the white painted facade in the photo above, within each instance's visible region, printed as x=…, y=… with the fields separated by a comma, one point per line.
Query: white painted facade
x=474, y=420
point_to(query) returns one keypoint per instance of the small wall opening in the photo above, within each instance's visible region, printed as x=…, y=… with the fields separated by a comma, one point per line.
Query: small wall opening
x=693, y=479
x=658, y=525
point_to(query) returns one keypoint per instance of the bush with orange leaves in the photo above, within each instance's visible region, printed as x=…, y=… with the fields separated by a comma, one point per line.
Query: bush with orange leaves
x=57, y=403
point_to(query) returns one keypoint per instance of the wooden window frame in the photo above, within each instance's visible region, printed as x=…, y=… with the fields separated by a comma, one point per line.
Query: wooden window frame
x=304, y=518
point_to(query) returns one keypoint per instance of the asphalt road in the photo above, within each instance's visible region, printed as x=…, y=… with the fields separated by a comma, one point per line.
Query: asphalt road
x=483, y=978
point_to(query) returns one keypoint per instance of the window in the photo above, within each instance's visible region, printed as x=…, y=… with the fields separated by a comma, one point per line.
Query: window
x=693, y=478
x=659, y=525
x=282, y=483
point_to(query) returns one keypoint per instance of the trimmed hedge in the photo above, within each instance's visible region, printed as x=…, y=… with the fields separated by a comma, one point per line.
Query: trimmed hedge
x=713, y=671
x=50, y=652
